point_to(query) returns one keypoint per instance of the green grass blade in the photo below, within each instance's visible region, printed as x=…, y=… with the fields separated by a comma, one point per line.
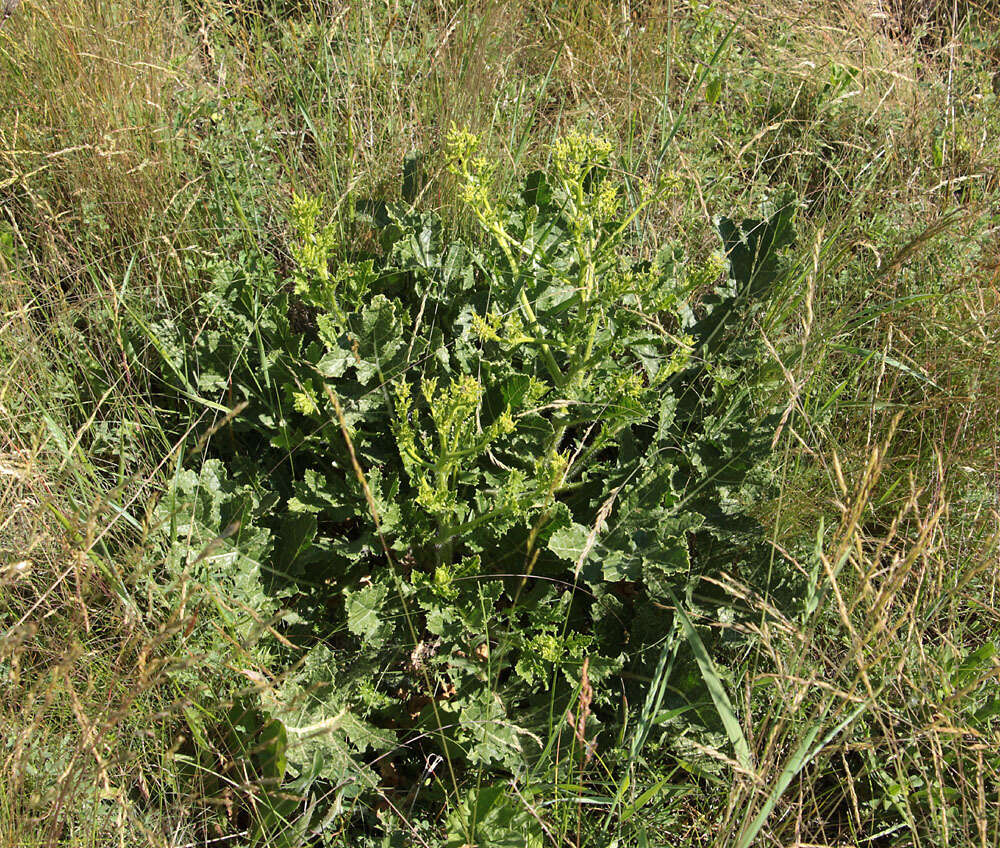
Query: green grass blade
x=804, y=754
x=723, y=706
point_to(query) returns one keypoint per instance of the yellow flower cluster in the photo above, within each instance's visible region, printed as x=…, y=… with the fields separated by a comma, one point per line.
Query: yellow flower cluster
x=576, y=153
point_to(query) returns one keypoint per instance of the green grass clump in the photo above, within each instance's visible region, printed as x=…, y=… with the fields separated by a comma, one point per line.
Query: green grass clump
x=424, y=512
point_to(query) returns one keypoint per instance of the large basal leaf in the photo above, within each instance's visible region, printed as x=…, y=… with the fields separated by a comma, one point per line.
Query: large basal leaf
x=753, y=249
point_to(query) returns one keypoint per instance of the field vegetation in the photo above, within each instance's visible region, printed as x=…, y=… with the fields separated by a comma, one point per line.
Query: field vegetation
x=500, y=423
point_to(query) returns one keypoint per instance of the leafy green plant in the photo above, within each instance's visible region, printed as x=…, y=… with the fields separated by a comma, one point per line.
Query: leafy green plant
x=488, y=468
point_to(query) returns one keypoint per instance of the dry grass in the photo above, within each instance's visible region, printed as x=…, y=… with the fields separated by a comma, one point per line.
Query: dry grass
x=85, y=139
x=883, y=650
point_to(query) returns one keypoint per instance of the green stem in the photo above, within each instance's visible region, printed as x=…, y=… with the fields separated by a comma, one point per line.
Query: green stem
x=485, y=217
x=550, y=361
x=591, y=336
x=443, y=550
